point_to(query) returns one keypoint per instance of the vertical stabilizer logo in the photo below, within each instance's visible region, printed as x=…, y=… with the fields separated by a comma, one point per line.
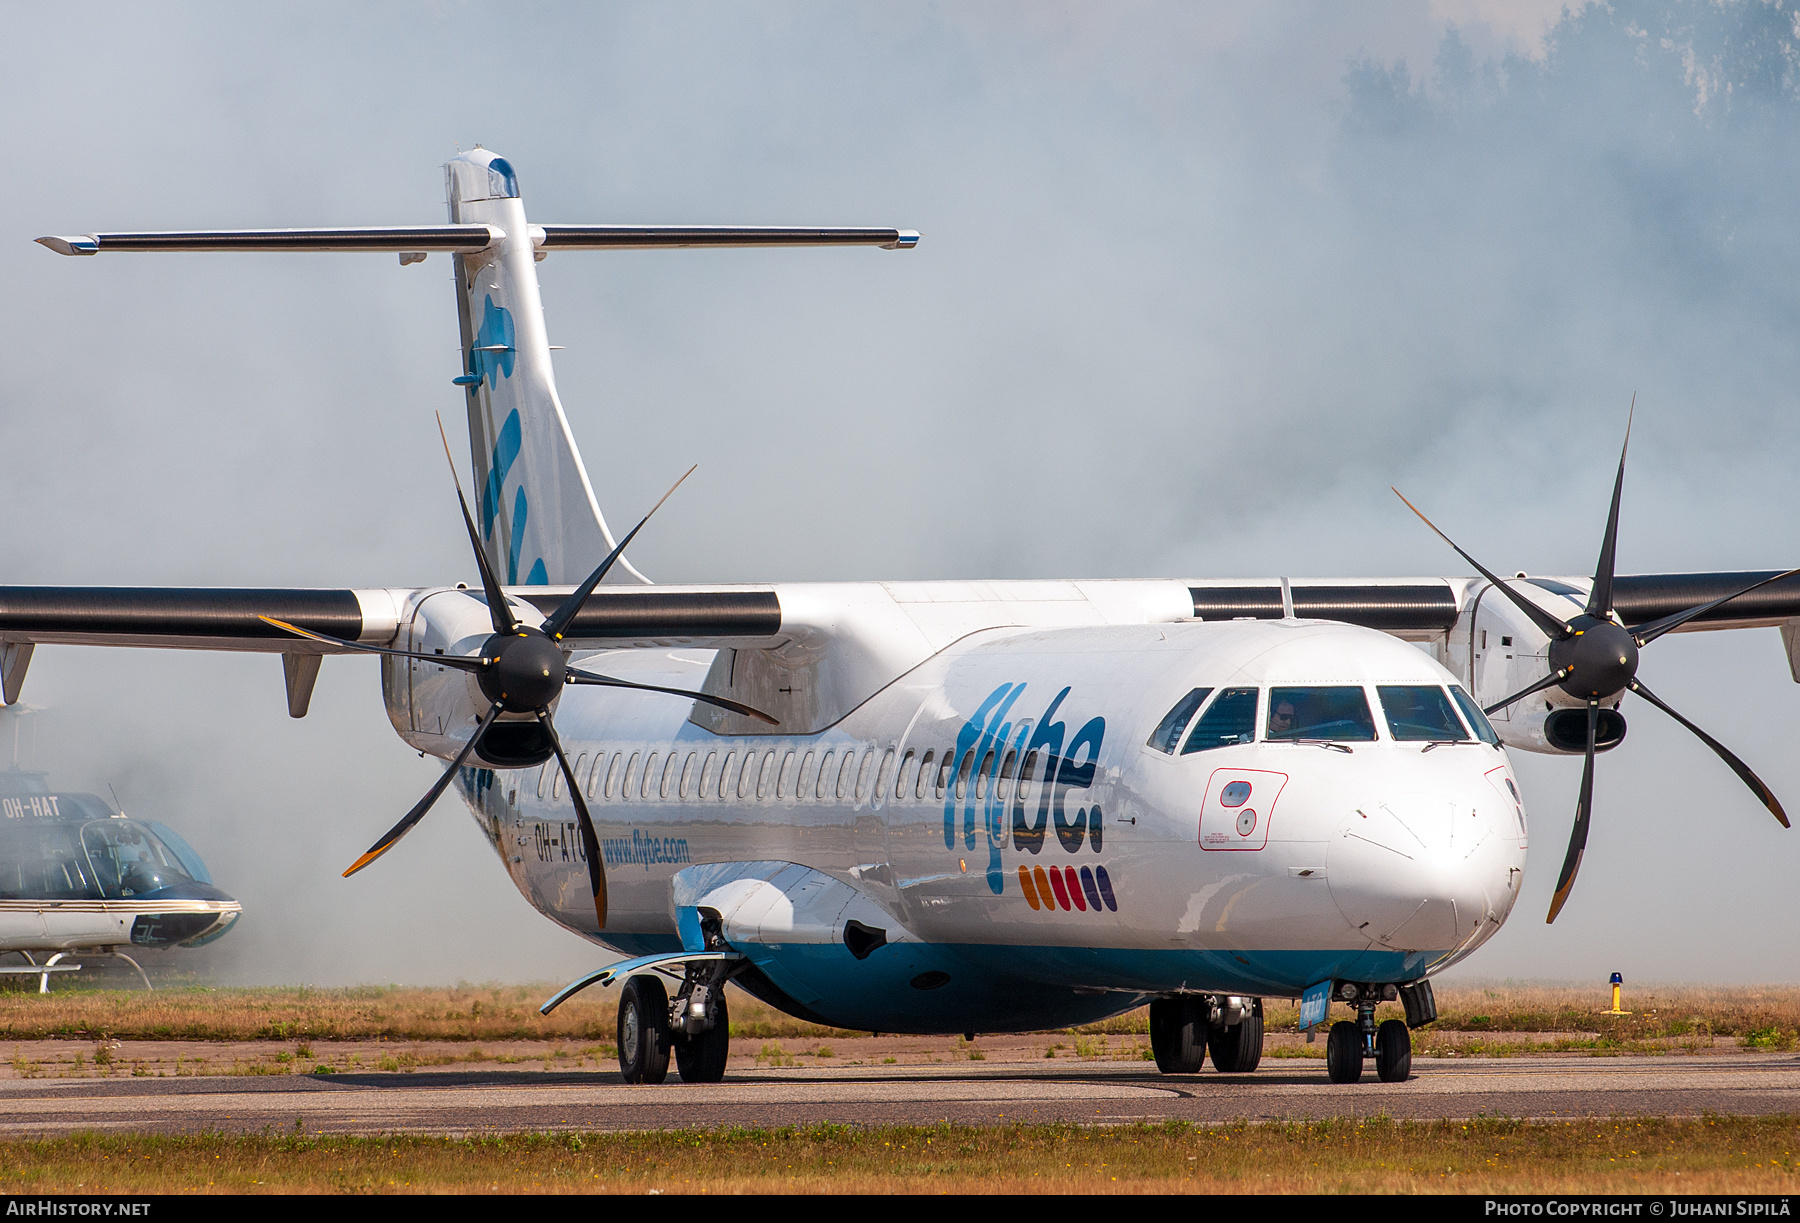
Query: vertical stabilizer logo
x=492, y=359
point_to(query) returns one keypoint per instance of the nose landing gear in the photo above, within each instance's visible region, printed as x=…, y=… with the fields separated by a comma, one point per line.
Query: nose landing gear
x=1390, y=1044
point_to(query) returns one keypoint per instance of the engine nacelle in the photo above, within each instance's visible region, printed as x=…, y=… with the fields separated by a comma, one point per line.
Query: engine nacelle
x=436, y=708
x=1498, y=651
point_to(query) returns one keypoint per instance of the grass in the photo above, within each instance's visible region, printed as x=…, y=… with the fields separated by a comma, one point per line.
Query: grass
x=1491, y=1020
x=1709, y=1155
x=392, y=1012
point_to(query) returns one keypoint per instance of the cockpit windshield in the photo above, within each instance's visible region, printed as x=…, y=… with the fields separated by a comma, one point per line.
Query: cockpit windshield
x=129, y=859
x=1417, y=712
x=1335, y=713
x=1168, y=731
x=1231, y=718
x=1484, y=730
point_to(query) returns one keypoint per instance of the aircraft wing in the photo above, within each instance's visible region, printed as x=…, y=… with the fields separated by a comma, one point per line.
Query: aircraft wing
x=920, y=616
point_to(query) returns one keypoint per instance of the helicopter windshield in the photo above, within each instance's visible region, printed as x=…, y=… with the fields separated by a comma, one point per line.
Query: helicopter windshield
x=129, y=859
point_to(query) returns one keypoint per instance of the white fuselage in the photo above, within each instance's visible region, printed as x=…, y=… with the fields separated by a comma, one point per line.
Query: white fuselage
x=1382, y=862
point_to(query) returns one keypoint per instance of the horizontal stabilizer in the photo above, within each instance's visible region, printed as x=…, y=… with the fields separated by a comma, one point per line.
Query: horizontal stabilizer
x=645, y=237
x=469, y=239
x=463, y=238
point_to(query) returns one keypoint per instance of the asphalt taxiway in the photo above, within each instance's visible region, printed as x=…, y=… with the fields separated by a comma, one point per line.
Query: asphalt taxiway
x=473, y=1101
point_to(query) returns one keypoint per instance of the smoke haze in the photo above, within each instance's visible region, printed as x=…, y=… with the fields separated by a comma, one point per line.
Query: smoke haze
x=1196, y=287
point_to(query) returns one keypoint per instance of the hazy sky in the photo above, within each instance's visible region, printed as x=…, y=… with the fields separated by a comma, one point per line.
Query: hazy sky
x=1198, y=284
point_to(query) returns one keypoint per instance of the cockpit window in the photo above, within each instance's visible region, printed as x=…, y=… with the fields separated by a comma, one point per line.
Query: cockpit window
x=1418, y=712
x=1336, y=713
x=1231, y=718
x=1168, y=731
x=129, y=859
x=1484, y=729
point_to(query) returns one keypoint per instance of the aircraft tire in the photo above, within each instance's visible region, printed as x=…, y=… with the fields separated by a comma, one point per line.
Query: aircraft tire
x=701, y=1058
x=1343, y=1053
x=1178, y=1034
x=644, y=1030
x=1239, y=1048
x=1393, y=1052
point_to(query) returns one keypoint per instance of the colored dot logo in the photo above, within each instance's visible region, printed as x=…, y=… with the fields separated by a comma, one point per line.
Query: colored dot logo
x=1064, y=888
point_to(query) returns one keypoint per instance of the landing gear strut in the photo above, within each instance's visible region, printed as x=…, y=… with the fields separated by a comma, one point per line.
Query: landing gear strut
x=701, y=1026
x=1390, y=1044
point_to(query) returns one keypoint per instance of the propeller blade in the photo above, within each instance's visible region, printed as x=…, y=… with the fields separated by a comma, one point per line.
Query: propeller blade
x=412, y=817
x=590, y=842
x=498, y=608
x=1644, y=634
x=1551, y=625
x=1584, y=809
x=565, y=614
x=1737, y=766
x=459, y=661
x=607, y=681
x=1600, y=597
x=1555, y=677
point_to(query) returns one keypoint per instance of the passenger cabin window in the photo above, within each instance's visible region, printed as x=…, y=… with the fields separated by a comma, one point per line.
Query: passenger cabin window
x=1338, y=713
x=1420, y=712
x=1230, y=719
x=1168, y=731
x=1484, y=729
x=881, y=776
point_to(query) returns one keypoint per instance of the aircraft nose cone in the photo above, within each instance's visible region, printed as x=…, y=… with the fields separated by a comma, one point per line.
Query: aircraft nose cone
x=1422, y=872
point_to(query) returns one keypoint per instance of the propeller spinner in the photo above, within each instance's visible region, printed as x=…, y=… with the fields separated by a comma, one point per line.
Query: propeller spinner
x=522, y=669
x=1594, y=658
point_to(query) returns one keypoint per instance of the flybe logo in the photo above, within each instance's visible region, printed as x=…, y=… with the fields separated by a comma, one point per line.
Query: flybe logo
x=997, y=759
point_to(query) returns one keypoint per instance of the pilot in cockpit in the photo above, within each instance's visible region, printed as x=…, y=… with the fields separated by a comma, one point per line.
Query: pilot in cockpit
x=1281, y=719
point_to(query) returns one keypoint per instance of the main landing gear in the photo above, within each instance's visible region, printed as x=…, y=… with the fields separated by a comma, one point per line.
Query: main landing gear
x=695, y=1027
x=1184, y=1028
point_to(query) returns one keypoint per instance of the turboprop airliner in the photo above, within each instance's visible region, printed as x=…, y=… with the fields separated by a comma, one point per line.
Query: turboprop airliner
x=942, y=807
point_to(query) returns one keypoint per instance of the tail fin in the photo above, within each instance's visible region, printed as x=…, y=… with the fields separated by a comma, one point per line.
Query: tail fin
x=539, y=519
